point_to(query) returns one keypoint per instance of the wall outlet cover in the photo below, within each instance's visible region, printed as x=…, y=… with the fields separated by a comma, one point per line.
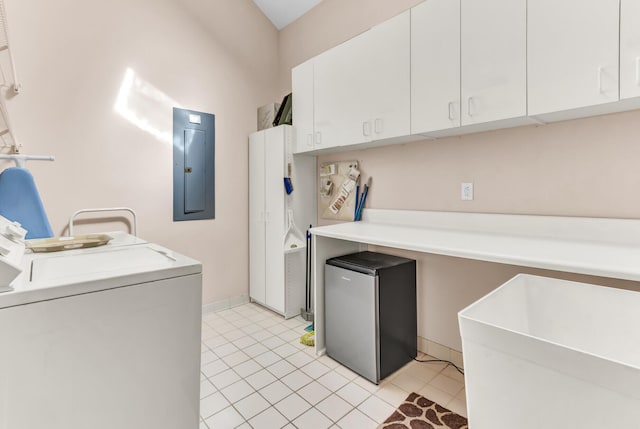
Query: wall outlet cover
x=466, y=191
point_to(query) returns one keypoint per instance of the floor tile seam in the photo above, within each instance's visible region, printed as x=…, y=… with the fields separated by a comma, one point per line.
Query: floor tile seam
x=335, y=422
x=239, y=413
x=280, y=380
x=451, y=378
x=301, y=397
x=240, y=399
x=281, y=376
x=254, y=372
x=393, y=405
x=273, y=405
x=230, y=368
x=210, y=394
x=452, y=394
x=455, y=398
x=211, y=350
x=359, y=403
x=277, y=411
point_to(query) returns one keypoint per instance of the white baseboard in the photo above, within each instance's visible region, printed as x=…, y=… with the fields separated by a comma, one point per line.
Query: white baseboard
x=224, y=304
x=439, y=351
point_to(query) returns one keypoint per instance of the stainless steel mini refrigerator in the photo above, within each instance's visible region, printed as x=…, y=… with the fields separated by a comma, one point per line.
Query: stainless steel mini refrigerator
x=370, y=312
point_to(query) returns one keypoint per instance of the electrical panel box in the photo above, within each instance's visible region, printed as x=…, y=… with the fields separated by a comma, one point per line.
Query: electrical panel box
x=193, y=165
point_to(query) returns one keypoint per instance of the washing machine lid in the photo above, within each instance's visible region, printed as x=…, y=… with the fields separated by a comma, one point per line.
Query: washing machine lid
x=90, y=266
x=57, y=275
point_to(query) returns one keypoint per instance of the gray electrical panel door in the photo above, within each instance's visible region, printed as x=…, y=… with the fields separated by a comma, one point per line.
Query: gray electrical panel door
x=193, y=165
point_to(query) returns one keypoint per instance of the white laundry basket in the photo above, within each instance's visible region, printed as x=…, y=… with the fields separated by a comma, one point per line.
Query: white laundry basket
x=547, y=353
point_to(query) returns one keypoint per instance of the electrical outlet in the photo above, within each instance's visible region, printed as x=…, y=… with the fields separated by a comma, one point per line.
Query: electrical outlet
x=466, y=192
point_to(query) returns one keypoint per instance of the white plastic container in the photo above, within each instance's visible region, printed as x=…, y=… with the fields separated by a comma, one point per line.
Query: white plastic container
x=547, y=353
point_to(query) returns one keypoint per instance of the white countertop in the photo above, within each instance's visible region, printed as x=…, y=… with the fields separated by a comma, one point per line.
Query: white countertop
x=595, y=246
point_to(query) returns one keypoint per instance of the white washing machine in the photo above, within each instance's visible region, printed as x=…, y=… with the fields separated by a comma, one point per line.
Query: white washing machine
x=101, y=338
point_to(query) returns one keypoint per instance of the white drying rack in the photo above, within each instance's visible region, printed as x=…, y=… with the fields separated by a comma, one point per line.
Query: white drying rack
x=21, y=160
x=10, y=78
x=5, y=46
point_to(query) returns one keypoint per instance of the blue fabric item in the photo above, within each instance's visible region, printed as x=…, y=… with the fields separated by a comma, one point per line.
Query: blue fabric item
x=20, y=202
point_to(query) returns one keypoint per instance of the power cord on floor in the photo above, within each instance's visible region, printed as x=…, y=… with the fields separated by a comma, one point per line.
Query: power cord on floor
x=449, y=363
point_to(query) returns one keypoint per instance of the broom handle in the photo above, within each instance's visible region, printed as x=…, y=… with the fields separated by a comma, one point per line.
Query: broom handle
x=308, y=270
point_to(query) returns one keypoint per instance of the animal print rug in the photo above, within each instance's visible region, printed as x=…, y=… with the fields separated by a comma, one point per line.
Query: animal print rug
x=418, y=412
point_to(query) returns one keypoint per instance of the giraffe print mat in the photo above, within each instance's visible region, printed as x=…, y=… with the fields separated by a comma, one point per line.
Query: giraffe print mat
x=418, y=412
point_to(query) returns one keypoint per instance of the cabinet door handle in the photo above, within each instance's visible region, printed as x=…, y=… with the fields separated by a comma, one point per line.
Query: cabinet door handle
x=451, y=112
x=600, y=70
x=378, y=125
x=470, y=104
x=366, y=128
x=310, y=139
x=318, y=138
x=637, y=71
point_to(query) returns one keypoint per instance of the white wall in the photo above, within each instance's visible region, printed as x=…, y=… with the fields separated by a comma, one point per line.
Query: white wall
x=215, y=56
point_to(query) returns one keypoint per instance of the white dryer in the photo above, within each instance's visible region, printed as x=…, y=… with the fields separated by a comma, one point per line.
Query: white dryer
x=101, y=338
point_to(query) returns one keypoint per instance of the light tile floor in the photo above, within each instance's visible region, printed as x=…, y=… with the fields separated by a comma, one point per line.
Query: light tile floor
x=256, y=374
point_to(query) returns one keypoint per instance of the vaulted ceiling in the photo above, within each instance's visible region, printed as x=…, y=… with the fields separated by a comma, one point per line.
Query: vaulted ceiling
x=284, y=12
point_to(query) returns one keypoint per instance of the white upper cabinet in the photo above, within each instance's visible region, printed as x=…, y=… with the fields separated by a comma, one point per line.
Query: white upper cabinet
x=362, y=87
x=572, y=53
x=302, y=94
x=493, y=60
x=435, y=66
x=387, y=59
x=629, y=49
x=338, y=90
x=450, y=67
x=332, y=96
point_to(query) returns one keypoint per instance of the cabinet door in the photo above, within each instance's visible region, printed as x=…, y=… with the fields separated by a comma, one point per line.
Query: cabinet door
x=256, y=217
x=493, y=60
x=387, y=73
x=302, y=89
x=435, y=66
x=572, y=54
x=629, y=49
x=341, y=96
x=274, y=170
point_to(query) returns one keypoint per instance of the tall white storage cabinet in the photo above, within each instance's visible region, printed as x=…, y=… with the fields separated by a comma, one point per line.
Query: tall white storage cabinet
x=276, y=274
